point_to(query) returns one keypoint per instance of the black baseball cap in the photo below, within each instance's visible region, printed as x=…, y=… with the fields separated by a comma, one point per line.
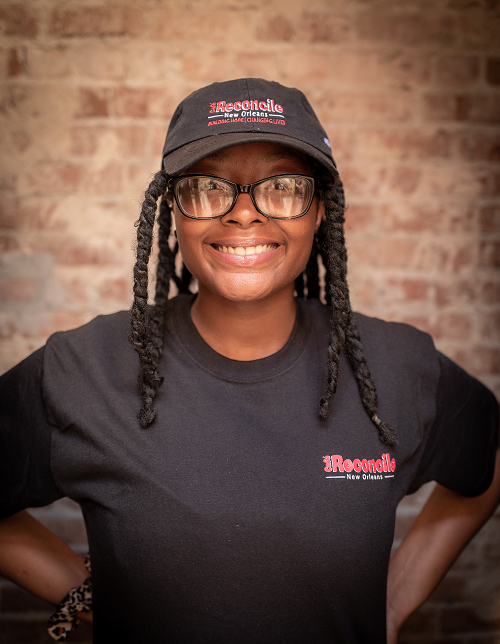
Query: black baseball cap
x=240, y=111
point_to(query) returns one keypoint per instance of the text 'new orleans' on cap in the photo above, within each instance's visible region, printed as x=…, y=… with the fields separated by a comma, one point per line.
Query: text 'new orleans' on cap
x=241, y=111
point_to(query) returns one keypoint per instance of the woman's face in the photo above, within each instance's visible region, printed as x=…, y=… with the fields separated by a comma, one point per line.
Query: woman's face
x=279, y=249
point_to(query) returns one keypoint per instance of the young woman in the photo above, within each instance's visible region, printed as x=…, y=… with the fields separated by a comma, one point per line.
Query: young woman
x=251, y=496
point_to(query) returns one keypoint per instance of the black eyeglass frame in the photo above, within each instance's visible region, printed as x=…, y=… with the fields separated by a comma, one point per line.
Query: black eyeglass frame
x=238, y=189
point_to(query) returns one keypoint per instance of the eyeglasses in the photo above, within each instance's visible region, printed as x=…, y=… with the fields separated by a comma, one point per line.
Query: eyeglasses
x=284, y=196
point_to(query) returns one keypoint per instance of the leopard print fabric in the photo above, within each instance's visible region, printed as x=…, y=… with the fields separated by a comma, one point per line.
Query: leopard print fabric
x=78, y=600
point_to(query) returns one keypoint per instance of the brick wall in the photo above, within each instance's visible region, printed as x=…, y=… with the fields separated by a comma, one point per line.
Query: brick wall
x=409, y=92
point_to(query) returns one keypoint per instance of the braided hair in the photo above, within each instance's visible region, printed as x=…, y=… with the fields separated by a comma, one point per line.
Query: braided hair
x=147, y=326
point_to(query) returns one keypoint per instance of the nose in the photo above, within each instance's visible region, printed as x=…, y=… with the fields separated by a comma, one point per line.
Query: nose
x=244, y=213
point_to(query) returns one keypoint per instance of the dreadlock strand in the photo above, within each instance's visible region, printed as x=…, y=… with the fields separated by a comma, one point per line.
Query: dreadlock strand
x=366, y=385
x=164, y=271
x=150, y=380
x=344, y=333
x=337, y=292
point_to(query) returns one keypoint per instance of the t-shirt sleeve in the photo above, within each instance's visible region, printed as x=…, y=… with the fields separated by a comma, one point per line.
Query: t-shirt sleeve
x=460, y=450
x=25, y=439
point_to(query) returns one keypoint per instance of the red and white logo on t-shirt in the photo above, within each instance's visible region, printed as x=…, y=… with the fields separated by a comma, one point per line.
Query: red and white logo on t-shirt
x=360, y=468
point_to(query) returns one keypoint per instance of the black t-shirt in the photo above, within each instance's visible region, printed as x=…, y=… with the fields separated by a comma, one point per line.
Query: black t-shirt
x=239, y=516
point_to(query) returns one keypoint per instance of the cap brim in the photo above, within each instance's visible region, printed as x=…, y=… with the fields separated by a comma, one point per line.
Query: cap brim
x=185, y=157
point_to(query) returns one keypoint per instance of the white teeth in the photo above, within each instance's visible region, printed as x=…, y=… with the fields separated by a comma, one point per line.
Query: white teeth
x=247, y=250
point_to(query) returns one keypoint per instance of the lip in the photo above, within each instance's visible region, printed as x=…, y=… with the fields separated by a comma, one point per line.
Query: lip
x=244, y=260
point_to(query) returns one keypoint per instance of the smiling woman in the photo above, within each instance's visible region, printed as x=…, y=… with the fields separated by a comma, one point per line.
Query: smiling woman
x=259, y=481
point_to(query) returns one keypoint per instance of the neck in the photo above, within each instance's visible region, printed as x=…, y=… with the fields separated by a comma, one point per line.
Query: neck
x=245, y=330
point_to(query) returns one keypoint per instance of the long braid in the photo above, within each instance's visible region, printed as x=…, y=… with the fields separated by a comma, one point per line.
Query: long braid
x=337, y=290
x=344, y=333
x=164, y=272
x=147, y=350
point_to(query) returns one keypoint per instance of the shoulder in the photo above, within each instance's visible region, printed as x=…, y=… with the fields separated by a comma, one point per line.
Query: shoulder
x=378, y=337
x=381, y=337
x=93, y=353
x=103, y=332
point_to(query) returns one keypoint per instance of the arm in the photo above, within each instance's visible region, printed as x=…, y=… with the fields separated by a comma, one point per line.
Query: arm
x=35, y=559
x=446, y=524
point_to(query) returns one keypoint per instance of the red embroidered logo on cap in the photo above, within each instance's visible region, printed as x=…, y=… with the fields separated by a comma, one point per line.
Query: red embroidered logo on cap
x=246, y=112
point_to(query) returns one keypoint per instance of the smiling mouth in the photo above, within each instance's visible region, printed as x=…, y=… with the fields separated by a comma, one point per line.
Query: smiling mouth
x=245, y=250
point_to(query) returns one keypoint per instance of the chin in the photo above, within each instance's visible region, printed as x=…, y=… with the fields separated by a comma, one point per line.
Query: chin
x=245, y=289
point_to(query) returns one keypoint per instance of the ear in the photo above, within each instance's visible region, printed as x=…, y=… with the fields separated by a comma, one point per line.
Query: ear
x=320, y=214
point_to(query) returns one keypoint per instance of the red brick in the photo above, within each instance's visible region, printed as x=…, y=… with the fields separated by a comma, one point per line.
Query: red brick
x=489, y=182
x=358, y=66
x=446, y=256
x=479, y=29
x=318, y=26
x=405, y=180
x=489, y=219
x=14, y=64
x=48, y=62
x=157, y=140
x=257, y=64
x=405, y=291
x=305, y=65
x=96, y=21
x=18, y=289
x=478, y=360
x=78, y=290
x=360, y=182
x=452, y=326
x=55, y=177
x=490, y=327
x=16, y=20
x=93, y=102
x=460, y=620
x=456, y=293
x=459, y=181
x=365, y=106
x=145, y=102
x=476, y=146
x=454, y=69
x=386, y=253
x=130, y=140
x=102, y=181
x=69, y=251
x=99, y=61
x=359, y=218
x=403, y=144
x=363, y=294
x=213, y=66
x=276, y=28
x=482, y=108
x=21, y=140
x=489, y=293
x=199, y=24
x=34, y=214
x=410, y=29
x=8, y=242
x=117, y=289
x=493, y=71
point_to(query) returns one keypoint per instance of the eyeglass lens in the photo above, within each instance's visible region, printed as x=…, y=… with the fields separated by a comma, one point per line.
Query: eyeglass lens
x=284, y=196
